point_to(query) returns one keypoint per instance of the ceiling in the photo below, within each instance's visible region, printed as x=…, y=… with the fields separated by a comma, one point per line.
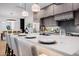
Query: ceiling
x=13, y=10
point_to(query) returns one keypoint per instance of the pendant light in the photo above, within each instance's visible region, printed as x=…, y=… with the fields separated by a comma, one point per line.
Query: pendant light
x=24, y=12
x=35, y=8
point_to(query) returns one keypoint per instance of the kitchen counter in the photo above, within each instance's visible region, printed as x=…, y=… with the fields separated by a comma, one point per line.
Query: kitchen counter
x=66, y=45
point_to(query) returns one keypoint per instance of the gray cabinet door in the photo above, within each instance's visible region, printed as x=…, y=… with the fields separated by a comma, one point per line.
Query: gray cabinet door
x=64, y=16
x=41, y=13
x=48, y=11
x=75, y=6
x=58, y=9
x=77, y=18
x=62, y=8
x=67, y=7
x=49, y=22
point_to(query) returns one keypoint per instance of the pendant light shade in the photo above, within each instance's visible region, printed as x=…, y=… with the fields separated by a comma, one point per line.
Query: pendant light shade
x=35, y=8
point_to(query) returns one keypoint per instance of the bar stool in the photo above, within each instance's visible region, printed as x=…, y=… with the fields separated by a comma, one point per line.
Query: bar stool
x=16, y=49
x=27, y=49
x=8, y=45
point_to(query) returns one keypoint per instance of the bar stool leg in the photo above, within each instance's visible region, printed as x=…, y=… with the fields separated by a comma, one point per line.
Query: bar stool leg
x=12, y=53
x=7, y=50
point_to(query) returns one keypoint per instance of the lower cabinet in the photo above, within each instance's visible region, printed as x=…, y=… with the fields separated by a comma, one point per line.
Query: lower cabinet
x=47, y=52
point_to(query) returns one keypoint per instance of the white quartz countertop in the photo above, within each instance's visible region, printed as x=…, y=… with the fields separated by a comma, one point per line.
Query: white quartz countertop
x=65, y=44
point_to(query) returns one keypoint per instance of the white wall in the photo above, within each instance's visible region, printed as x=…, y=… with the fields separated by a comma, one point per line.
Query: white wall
x=13, y=11
x=3, y=24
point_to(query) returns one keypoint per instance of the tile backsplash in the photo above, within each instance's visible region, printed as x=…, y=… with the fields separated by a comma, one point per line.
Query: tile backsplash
x=69, y=26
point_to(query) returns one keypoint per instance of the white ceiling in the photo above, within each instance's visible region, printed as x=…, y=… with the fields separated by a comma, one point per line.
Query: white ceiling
x=13, y=10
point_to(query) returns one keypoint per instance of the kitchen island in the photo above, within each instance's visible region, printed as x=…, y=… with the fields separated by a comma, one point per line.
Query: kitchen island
x=66, y=45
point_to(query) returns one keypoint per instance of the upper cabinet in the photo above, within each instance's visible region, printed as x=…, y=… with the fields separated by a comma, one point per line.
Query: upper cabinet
x=75, y=6
x=47, y=11
x=67, y=7
x=64, y=16
x=58, y=9
x=62, y=8
x=41, y=13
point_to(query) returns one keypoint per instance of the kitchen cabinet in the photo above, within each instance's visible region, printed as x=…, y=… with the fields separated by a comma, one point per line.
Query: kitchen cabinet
x=58, y=9
x=64, y=16
x=48, y=52
x=49, y=22
x=77, y=18
x=67, y=7
x=55, y=9
x=41, y=13
x=75, y=6
x=47, y=11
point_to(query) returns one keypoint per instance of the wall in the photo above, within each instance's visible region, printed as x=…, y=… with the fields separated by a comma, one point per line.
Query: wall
x=14, y=11
x=3, y=23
